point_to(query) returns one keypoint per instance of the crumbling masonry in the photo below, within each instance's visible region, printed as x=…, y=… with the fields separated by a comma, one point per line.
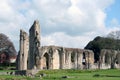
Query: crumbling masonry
x=33, y=56
x=23, y=53
x=109, y=59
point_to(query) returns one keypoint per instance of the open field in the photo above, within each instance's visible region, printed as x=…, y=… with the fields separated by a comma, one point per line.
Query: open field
x=111, y=74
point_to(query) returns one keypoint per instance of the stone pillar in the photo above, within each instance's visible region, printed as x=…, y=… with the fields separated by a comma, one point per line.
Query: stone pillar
x=40, y=67
x=80, y=58
x=101, y=58
x=113, y=58
x=101, y=62
x=69, y=60
x=21, y=50
x=67, y=53
x=89, y=58
x=40, y=58
x=66, y=60
x=118, y=59
x=51, y=63
x=62, y=57
x=23, y=53
x=76, y=60
x=62, y=60
x=26, y=50
x=50, y=51
x=34, y=45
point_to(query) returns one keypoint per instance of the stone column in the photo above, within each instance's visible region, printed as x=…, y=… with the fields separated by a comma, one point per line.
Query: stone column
x=51, y=63
x=87, y=56
x=26, y=49
x=76, y=60
x=101, y=62
x=69, y=60
x=23, y=54
x=61, y=66
x=118, y=58
x=34, y=41
x=80, y=57
x=62, y=60
x=66, y=60
x=62, y=57
x=21, y=51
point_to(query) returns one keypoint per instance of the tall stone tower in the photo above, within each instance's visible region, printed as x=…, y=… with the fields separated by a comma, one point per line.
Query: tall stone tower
x=34, y=46
x=23, y=53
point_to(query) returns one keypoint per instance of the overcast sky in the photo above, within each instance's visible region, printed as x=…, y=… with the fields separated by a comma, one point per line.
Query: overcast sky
x=69, y=23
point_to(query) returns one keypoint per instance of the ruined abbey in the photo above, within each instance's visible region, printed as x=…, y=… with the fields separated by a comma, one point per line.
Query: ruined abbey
x=34, y=56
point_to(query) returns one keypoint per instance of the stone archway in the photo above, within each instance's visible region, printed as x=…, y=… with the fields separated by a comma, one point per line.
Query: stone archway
x=107, y=58
x=46, y=61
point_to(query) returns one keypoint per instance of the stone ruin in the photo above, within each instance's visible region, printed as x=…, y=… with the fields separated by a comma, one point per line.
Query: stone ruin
x=55, y=57
x=22, y=57
x=32, y=56
x=109, y=59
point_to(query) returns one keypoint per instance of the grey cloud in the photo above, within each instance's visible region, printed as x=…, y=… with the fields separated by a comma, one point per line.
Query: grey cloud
x=72, y=17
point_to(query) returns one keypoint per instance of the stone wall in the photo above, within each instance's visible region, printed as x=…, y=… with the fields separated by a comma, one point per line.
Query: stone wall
x=55, y=57
x=109, y=59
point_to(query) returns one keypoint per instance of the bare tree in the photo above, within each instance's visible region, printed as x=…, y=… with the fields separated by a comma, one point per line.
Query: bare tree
x=114, y=34
x=6, y=45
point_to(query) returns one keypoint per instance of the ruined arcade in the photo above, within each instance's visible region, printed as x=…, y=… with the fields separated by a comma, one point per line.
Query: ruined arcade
x=34, y=56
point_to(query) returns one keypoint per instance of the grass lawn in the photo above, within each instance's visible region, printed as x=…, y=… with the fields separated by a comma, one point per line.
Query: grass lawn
x=110, y=74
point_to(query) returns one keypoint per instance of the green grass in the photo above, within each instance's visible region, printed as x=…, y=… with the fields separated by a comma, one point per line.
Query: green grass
x=12, y=77
x=110, y=74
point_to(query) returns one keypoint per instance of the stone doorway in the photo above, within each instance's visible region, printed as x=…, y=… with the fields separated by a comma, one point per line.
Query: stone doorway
x=46, y=61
